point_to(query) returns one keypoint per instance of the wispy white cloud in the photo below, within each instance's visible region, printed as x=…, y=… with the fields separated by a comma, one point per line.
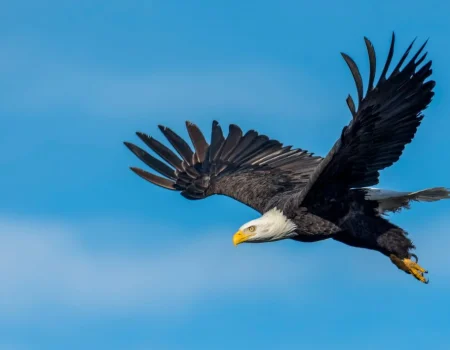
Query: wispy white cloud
x=45, y=264
x=36, y=80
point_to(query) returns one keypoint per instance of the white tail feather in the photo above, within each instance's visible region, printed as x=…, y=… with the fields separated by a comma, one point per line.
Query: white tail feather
x=394, y=201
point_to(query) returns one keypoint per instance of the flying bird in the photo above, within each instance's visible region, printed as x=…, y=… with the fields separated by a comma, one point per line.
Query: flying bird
x=305, y=197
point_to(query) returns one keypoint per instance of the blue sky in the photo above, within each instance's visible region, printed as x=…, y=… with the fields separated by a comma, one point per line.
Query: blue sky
x=92, y=257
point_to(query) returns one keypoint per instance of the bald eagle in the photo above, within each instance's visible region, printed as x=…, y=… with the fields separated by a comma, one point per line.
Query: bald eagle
x=305, y=197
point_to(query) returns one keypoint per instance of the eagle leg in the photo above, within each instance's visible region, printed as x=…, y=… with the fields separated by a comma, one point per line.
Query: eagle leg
x=410, y=267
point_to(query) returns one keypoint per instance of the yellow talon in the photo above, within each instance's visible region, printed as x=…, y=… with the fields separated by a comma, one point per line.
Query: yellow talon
x=410, y=267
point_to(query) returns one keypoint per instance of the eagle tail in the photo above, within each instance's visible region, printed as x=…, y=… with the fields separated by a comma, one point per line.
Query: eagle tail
x=394, y=201
x=431, y=194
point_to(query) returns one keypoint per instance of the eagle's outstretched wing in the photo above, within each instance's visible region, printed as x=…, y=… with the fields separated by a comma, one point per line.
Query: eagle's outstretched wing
x=250, y=168
x=386, y=120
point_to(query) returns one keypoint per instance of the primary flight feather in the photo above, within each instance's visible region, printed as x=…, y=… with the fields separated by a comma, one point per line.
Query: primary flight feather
x=305, y=197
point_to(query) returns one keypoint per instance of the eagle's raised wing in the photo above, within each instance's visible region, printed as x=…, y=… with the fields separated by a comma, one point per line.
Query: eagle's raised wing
x=386, y=120
x=250, y=168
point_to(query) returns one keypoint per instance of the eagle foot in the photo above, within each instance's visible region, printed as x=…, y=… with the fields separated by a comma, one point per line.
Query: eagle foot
x=410, y=267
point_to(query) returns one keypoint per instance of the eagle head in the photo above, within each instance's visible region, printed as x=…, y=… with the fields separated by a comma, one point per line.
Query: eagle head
x=273, y=225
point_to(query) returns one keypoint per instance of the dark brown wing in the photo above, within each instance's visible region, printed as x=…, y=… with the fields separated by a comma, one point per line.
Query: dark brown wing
x=386, y=120
x=250, y=168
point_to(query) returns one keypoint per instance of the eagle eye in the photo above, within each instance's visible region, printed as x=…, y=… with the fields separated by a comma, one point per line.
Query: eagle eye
x=251, y=229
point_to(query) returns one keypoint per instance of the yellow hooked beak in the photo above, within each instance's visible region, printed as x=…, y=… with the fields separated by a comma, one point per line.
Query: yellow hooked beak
x=240, y=237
